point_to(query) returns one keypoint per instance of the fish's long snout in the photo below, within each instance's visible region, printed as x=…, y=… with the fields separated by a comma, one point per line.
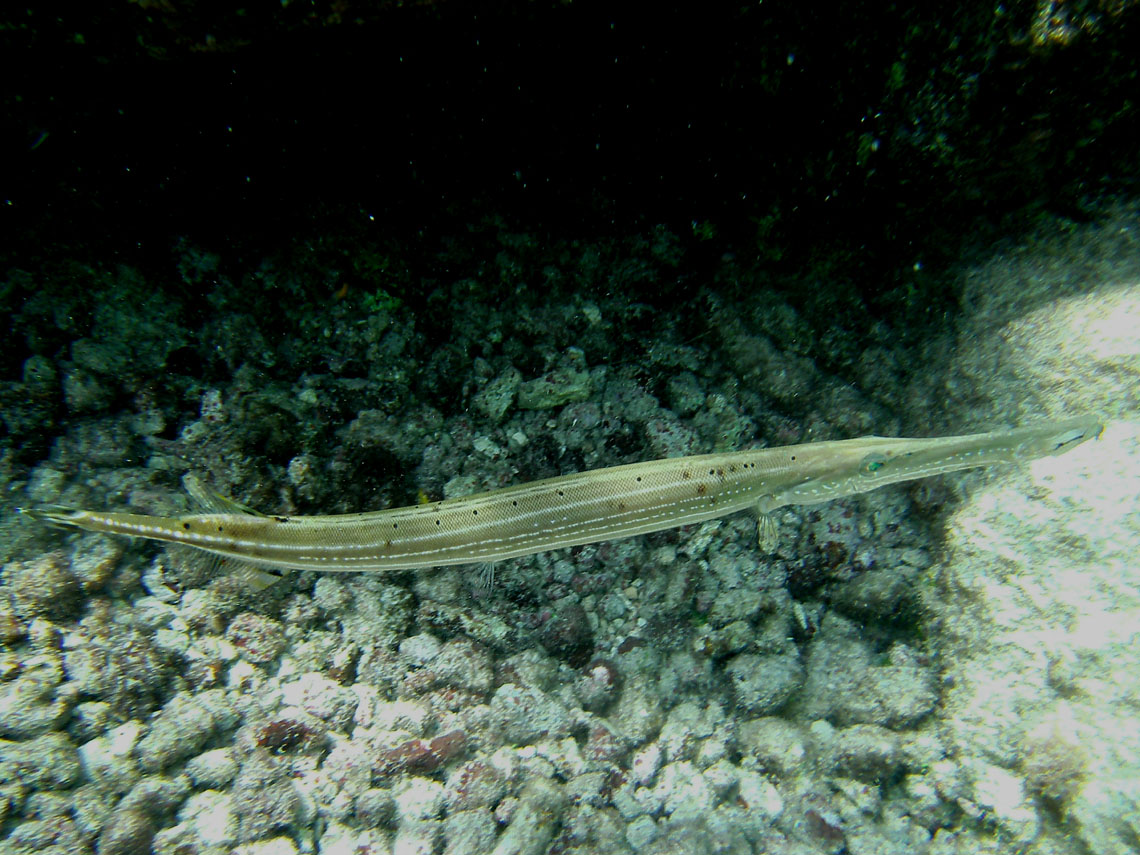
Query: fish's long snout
x=59, y=516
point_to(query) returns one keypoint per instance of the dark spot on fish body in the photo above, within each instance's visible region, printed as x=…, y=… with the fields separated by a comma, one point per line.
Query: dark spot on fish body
x=281, y=519
x=702, y=489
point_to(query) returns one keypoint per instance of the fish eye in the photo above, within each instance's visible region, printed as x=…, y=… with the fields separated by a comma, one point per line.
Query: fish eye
x=872, y=463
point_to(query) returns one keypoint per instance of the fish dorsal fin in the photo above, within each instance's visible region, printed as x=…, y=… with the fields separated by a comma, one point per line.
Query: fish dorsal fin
x=211, y=502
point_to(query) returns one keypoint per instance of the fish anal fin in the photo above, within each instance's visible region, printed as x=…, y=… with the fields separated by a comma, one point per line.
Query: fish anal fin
x=204, y=566
x=767, y=532
x=253, y=577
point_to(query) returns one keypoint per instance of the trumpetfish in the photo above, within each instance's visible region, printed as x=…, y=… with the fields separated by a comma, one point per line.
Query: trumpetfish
x=576, y=509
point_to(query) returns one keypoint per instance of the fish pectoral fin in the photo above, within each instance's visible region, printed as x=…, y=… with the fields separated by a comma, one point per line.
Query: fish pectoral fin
x=767, y=532
x=211, y=502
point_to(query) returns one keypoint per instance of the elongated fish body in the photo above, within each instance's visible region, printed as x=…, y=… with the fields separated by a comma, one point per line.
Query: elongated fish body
x=586, y=507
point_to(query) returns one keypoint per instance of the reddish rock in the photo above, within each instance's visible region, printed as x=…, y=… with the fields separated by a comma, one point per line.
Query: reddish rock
x=475, y=784
x=604, y=746
x=258, y=638
x=420, y=755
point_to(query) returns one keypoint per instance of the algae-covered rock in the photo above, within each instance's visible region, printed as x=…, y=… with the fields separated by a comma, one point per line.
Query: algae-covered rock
x=494, y=399
x=567, y=383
